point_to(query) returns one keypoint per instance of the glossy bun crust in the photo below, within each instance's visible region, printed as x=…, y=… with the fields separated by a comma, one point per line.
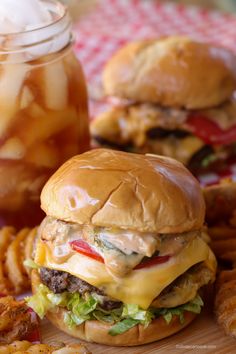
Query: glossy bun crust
x=108, y=188
x=95, y=331
x=173, y=72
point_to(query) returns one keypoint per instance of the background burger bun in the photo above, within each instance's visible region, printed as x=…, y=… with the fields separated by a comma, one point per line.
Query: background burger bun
x=108, y=188
x=95, y=331
x=173, y=72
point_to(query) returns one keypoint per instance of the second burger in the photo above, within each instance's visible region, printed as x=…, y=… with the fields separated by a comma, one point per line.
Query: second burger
x=173, y=97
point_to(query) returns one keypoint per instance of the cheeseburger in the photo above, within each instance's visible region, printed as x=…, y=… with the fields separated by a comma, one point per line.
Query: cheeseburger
x=121, y=256
x=173, y=97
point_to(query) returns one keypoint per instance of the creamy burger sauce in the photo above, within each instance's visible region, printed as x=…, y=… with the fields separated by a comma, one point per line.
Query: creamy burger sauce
x=121, y=250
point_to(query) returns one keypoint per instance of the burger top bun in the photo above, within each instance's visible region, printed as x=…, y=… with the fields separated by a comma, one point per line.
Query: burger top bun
x=173, y=72
x=108, y=188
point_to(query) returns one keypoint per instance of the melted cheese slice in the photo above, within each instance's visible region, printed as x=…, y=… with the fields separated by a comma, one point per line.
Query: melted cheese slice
x=139, y=286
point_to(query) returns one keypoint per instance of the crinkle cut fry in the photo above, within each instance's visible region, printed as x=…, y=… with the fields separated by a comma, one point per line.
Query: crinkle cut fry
x=15, y=247
x=225, y=301
x=6, y=236
x=14, y=262
x=223, y=243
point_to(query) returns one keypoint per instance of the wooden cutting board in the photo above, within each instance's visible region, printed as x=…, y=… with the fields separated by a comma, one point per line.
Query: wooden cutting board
x=202, y=336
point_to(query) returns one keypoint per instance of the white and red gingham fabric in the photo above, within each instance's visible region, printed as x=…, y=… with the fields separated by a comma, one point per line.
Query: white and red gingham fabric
x=112, y=23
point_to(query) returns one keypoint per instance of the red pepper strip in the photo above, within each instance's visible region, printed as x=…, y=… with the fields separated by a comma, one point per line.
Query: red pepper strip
x=153, y=261
x=210, y=132
x=83, y=247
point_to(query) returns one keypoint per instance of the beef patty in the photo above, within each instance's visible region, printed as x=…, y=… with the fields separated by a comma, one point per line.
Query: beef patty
x=59, y=282
x=180, y=291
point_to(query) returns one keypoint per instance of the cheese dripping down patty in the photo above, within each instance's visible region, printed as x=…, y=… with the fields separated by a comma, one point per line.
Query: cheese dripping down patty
x=121, y=250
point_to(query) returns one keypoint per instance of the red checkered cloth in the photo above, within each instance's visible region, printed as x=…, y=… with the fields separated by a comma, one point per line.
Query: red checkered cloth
x=112, y=23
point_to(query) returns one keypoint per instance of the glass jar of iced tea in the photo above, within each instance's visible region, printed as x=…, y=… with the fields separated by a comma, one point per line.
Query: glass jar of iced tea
x=43, y=106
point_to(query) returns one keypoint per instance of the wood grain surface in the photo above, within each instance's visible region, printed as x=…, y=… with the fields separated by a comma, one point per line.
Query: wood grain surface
x=202, y=336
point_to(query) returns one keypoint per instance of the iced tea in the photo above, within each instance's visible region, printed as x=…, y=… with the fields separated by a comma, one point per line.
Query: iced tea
x=43, y=122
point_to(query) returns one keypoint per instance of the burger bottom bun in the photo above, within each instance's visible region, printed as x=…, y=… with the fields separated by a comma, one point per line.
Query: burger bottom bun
x=97, y=332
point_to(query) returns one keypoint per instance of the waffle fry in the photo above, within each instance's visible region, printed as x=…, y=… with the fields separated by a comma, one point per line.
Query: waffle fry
x=29, y=243
x=221, y=217
x=225, y=301
x=223, y=243
x=24, y=347
x=220, y=203
x=222, y=232
x=14, y=263
x=6, y=236
x=29, y=246
x=14, y=249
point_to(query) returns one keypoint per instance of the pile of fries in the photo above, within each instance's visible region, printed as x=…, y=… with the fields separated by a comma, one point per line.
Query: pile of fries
x=224, y=243
x=225, y=301
x=18, y=323
x=16, y=320
x=15, y=247
x=221, y=218
x=24, y=347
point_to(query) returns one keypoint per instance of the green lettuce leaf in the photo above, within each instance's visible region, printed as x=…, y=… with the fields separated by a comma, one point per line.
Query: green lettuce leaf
x=105, y=316
x=208, y=160
x=72, y=319
x=123, y=326
x=168, y=317
x=68, y=320
x=133, y=311
x=58, y=299
x=194, y=305
x=40, y=302
x=29, y=263
x=80, y=306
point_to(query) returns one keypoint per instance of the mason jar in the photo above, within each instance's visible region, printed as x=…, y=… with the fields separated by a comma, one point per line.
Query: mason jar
x=43, y=113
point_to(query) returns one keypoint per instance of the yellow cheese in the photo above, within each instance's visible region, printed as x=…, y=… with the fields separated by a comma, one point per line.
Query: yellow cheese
x=179, y=149
x=187, y=147
x=139, y=286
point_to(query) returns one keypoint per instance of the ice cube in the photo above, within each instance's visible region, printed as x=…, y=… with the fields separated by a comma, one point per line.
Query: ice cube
x=55, y=86
x=36, y=111
x=26, y=98
x=45, y=126
x=24, y=13
x=59, y=35
x=11, y=82
x=27, y=15
x=13, y=149
x=43, y=155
